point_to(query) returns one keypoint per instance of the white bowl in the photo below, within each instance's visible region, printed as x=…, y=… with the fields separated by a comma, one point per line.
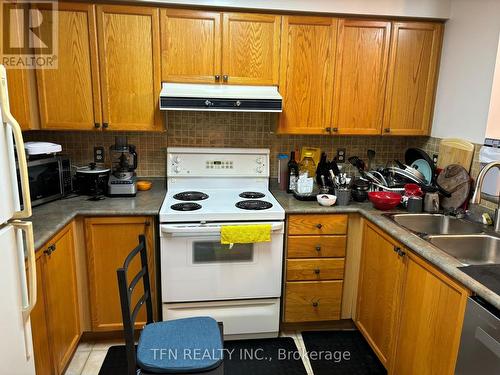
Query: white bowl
x=326, y=199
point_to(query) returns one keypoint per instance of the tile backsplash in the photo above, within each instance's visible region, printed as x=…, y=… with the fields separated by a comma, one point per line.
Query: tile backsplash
x=222, y=129
x=230, y=129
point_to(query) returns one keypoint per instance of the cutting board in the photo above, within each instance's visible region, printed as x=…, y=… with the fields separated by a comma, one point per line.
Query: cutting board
x=455, y=151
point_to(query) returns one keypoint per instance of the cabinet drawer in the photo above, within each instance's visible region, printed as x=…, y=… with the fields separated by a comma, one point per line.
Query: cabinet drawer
x=314, y=269
x=312, y=301
x=317, y=224
x=316, y=246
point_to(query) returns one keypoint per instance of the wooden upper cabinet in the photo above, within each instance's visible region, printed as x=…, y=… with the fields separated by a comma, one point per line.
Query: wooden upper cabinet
x=129, y=57
x=69, y=96
x=380, y=277
x=190, y=46
x=251, y=48
x=306, y=75
x=412, y=77
x=432, y=313
x=19, y=96
x=360, y=79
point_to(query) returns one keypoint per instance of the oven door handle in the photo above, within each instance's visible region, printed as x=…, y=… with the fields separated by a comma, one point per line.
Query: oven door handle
x=175, y=229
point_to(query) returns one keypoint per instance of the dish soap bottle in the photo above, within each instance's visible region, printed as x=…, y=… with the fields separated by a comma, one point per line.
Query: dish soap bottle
x=293, y=173
x=307, y=165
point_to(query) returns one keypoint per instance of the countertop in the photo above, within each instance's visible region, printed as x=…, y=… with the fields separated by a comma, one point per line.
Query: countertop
x=50, y=218
x=439, y=258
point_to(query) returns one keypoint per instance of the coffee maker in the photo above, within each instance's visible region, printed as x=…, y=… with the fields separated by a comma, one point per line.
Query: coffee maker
x=122, y=180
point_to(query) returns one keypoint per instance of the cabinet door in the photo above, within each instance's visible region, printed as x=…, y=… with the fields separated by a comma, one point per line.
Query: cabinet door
x=190, y=46
x=307, y=71
x=432, y=313
x=19, y=96
x=380, y=277
x=412, y=77
x=361, y=71
x=69, y=96
x=129, y=57
x=63, y=317
x=109, y=240
x=39, y=329
x=251, y=48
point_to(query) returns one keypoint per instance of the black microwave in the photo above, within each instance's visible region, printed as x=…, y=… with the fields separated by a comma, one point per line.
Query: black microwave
x=49, y=179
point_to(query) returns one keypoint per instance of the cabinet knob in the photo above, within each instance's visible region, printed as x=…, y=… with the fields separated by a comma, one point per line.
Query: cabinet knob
x=50, y=249
x=335, y=130
x=317, y=271
x=217, y=78
x=319, y=226
x=328, y=130
x=105, y=125
x=318, y=248
x=225, y=78
x=387, y=130
x=315, y=303
x=97, y=125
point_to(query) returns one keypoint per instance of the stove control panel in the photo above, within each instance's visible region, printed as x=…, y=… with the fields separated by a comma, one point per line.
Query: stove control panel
x=217, y=162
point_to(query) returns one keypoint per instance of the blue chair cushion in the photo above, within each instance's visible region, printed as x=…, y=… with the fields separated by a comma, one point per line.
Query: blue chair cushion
x=180, y=346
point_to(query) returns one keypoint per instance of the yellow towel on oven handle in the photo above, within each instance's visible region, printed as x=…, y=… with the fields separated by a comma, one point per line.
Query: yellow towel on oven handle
x=231, y=234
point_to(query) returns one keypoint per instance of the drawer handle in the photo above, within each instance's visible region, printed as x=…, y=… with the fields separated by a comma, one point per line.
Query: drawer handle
x=318, y=248
x=315, y=303
x=317, y=271
x=319, y=226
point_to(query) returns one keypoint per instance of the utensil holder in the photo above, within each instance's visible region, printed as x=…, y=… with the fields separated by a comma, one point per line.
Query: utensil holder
x=343, y=196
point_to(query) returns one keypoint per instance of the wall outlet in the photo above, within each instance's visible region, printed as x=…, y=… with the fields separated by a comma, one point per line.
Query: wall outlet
x=341, y=155
x=98, y=154
x=435, y=159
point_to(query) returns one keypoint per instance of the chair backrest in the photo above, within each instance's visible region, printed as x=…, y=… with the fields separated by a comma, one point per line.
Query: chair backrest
x=129, y=313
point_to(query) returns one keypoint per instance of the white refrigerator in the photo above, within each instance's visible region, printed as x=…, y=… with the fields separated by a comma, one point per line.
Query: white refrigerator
x=17, y=253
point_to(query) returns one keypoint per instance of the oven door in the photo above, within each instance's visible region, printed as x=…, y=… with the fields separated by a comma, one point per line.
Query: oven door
x=195, y=266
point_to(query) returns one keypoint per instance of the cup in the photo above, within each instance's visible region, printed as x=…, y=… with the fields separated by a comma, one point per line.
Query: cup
x=415, y=204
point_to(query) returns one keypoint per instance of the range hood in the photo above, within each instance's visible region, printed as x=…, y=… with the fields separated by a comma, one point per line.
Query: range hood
x=229, y=98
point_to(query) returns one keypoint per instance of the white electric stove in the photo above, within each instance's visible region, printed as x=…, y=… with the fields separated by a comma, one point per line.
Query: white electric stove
x=240, y=285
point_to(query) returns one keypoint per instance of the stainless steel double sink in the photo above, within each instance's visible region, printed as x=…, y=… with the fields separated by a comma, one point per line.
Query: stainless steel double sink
x=470, y=243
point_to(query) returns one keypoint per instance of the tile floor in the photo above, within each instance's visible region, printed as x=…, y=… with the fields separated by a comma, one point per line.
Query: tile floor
x=89, y=356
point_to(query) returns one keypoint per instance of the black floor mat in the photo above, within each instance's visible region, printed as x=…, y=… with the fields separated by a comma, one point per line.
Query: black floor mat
x=277, y=356
x=361, y=359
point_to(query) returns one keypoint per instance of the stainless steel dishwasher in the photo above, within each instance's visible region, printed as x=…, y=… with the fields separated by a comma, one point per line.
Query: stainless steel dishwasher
x=480, y=342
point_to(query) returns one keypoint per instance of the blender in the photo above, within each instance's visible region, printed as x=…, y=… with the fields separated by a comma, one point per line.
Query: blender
x=123, y=180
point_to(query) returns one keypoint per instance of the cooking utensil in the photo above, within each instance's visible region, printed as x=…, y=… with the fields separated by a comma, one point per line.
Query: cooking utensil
x=384, y=200
x=455, y=151
x=411, y=170
x=358, y=163
x=423, y=167
x=406, y=175
x=456, y=181
x=371, y=156
x=413, y=154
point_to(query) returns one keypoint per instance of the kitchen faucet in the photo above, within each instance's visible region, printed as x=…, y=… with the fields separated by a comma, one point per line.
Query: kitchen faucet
x=476, y=198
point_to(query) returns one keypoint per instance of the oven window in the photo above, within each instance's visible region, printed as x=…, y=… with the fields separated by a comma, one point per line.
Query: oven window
x=215, y=252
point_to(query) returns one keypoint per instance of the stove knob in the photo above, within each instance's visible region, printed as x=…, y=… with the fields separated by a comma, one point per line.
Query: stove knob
x=259, y=160
x=177, y=159
x=260, y=169
x=177, y=169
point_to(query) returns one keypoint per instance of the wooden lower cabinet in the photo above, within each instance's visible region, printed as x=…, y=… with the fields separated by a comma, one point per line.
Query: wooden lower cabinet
x=39, y=328
x=380, y=277
x=316, y=246
x=109, y=240
x=432, y=313
x=410, y=312
x=55, y=319
x=313, y=301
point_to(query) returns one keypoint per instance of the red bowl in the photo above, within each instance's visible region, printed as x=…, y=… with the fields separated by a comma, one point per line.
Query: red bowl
x=384, y=200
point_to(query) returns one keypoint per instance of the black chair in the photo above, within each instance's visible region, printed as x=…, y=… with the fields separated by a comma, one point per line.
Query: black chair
x=166, y=347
